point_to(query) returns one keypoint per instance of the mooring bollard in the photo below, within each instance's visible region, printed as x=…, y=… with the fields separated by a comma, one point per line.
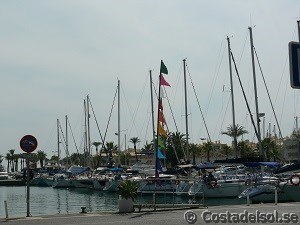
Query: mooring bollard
x=248, y=199
x=154, y=201
x=5, y=208
x=83, y=209
x=276, y=196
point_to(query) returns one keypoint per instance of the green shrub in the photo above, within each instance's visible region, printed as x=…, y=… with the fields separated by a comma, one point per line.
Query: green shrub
x=128, y=189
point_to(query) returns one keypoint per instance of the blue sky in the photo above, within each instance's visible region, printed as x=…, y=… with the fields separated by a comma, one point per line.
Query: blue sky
x=54, y=53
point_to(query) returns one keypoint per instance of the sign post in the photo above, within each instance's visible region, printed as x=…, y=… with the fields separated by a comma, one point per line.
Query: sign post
x=28, y=144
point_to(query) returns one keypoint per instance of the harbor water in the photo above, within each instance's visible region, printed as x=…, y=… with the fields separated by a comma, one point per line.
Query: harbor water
x=51, y=201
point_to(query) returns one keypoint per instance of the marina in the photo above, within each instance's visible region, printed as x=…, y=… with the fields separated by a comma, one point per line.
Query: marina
x=50, y=201
x=144, y=113
x=216, y=186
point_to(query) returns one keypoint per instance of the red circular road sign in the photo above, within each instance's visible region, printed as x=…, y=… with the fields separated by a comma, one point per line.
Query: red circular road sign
x=28, y=143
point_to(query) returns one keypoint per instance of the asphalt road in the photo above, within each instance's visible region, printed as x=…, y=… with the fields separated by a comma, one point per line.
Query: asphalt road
x=164, y=217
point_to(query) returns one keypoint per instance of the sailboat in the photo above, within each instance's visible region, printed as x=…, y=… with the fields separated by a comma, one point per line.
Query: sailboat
x=159, y=182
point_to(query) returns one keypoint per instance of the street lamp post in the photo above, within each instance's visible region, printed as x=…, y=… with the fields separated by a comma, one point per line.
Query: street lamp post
x=264, y=125
x=119, y=147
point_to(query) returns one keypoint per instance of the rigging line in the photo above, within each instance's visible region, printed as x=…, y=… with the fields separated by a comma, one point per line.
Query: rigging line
x=133, y=124
x=181, y=144
x=64, y=146
x=216, y=72
x=286, y=87
x=172, y=142
x=168, y=99
x=243, y=49
x=222, y=123
x=103, y=141
x=282, y=74
x=176, y=127
x=280, y=134
x=81, y=143
x=172, y=114
x=175, y=87
x=147, y=127
x=198, y=104
x=110, y=113
x=73, y=136
x=294, y=103
x=248, y=107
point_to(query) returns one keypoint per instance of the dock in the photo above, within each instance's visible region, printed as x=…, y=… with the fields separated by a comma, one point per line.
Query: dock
x=167, y=217
x=12, y=182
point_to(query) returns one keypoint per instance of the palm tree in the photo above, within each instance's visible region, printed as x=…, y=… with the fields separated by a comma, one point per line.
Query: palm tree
x=22, y=157
x=55, y=158
x=226, y=150
x=32, y=158
x=16, y=158
x=110, y=148
x=41, y=157
x=96, y=144
x=8, y=159
x=270, y=148
x=195, y=150
x=148, y=147
x=237, y=131
x=245, y=150
x=207, y=147
x=1, y=160
x=175, y=146
x=134, y=141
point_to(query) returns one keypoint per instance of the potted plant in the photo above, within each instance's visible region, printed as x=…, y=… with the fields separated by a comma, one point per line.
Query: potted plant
x=127, y=193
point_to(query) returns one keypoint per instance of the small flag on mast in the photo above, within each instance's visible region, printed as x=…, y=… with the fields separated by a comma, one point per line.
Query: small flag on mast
x=163, y=68
x=162, y=81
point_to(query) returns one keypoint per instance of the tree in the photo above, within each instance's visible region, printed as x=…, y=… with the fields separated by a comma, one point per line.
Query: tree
x=41, y=157
x=10, y=160
x=77, y=159
x=54, y=158
x=1, y=166
x=110, y=149
x=232, y=132
x=175, y=151
x=245, y=150
x=195, y=150
x=148, y=147
x=15, y=159
x=226, y=150
x=96, y=144
x=207, y=147
x=271, y=149
x=134, y=141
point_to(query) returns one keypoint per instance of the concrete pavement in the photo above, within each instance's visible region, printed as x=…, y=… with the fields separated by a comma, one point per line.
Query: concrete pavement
x=173, y=217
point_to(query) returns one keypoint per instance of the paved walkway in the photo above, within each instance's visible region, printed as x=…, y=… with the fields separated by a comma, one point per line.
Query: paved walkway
x=173, y=217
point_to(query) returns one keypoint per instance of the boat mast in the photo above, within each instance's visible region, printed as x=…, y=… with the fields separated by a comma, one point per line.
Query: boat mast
x=261, y=151
x=186, y=113
x=298, y=23
x=85, y=149
x=152, y=113
x=58, y=142
x=67, y=145
x=88, y=128
x=119, y=124
x=157, y=131
x=232, y=102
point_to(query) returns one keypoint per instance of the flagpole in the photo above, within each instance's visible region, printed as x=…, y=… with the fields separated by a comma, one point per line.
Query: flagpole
x=186, y=113
x=157, y=131
x=152, y=112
